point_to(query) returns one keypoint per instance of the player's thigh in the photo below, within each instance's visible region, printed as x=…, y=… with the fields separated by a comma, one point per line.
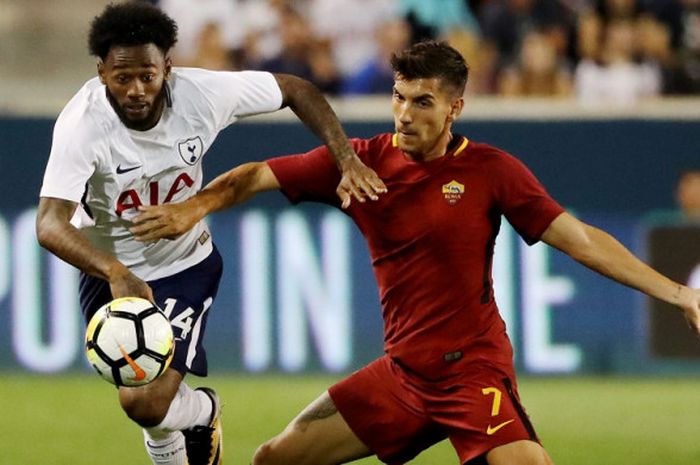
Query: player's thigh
x=317, y=436
x=482, y=412
x=186, y=298
x=519, y=453
x=386, y=411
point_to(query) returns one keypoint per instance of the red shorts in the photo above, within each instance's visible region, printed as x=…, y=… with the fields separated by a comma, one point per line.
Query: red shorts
x=397, y=414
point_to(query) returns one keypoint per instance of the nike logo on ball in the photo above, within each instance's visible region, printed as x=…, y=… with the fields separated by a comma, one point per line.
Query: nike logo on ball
x=121, y=170
x=139, y=374
x=490, y=430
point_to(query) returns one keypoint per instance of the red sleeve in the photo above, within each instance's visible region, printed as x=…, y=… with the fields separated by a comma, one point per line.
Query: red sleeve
x=311, y=176
x=523, y=200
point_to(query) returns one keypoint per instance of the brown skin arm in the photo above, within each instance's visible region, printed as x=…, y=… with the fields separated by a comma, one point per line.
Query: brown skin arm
x=169, y=221
x=58, y=236
x=307, y=102
x=602, y=253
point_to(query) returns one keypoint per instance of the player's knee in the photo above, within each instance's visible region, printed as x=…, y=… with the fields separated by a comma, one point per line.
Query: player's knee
x=272, y=452
x=144, y=408
x=520, y=453
x=264, y=455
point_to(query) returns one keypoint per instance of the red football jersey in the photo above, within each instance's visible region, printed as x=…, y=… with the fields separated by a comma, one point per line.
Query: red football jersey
x=431, y=239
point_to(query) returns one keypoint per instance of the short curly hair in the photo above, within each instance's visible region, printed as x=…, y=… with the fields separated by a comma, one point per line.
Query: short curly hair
x=432, y=59
x=128, y=24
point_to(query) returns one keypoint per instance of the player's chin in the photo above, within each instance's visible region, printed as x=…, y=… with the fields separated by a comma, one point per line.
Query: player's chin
x=407, y=146
x=137, y=119
x=407, y=141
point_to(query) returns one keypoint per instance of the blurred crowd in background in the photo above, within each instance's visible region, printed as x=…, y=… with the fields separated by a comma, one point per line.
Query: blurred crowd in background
x=612, y=51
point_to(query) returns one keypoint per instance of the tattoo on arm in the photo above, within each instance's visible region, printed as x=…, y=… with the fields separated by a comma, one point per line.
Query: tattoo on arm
x=309, y=104
x=679, y=290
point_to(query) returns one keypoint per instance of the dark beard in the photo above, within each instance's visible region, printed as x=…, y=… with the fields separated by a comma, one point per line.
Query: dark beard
x=153, y=117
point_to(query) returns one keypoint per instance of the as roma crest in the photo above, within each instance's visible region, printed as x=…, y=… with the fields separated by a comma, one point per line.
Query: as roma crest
x=191, y=149
x=452, y=191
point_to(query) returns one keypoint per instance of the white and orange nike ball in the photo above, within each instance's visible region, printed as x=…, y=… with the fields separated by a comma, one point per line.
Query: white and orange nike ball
x=129, y=341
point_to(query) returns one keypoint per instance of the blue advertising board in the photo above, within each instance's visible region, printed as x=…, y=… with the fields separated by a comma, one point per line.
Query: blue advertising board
x=298, y=292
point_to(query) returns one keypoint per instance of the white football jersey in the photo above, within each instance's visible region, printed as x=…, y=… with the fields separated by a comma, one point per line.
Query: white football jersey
x=112, y=170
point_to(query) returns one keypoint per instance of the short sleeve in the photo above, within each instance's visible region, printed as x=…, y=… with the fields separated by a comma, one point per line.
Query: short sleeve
x=310, y=176
x=73, y=157
x=237, y=94
x=523, y=200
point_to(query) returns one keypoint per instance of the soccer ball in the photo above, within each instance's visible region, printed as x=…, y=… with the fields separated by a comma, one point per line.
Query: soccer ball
x=129, y=341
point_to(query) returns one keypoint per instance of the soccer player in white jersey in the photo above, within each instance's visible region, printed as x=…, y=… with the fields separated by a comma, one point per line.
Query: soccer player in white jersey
x=135, y=136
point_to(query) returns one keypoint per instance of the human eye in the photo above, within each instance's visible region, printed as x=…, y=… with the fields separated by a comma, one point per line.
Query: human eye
x=147, y=77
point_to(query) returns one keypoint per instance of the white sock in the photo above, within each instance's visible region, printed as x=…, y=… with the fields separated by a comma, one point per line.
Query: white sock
x=165, y=448
x=164, y=442
x=189, y=408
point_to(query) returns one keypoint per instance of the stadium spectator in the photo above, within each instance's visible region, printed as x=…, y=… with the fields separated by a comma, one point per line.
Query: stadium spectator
x=491, y=32
x=211, y=52
x=262, y=36
x=538, y=71
x=667, y=12
x=670, y=13
x=448, y=368
x=617, y=78
x=302, y=54
x=376, y=76
x=137, y=134
x=505, y=24
x=589, y=36
x=349, y=27
x=483, y=57
x=432, y=20
x=614, y=10
x=215, y=22
x=688, y=194
x=655, y=51
x=689, y=54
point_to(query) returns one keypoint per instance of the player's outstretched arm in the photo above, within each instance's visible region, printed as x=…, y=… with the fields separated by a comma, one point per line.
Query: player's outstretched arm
x=56, y=234
x=306, y=101
x=171, y=220
x=600, y=252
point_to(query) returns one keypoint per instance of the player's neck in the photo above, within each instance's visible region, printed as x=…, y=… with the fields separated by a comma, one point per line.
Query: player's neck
x=438, y=150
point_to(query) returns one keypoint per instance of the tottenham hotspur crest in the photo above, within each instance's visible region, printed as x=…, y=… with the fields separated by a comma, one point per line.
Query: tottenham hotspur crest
x=191, y=149
x=452, y=191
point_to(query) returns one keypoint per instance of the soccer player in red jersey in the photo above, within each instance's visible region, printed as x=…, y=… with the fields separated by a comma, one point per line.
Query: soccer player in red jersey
x=448, y=370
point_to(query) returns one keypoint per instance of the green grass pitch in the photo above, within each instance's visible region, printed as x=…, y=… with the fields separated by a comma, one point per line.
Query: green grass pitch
x=75, y=420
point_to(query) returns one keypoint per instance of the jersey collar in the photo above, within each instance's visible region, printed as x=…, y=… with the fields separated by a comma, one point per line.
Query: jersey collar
x=458, y=141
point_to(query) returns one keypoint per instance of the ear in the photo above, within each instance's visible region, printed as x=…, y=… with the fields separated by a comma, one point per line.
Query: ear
x=101, y=71
x=456, y=109
x=168, y=68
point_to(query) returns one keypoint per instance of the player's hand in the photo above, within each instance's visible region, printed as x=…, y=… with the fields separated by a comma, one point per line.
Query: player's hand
x=164, y=221
x=358, y=181
x=123, y=283
x=691, y=309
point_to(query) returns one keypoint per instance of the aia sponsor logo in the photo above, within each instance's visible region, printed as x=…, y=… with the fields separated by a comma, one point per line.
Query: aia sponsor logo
x=130, y=199
x=452, y=192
